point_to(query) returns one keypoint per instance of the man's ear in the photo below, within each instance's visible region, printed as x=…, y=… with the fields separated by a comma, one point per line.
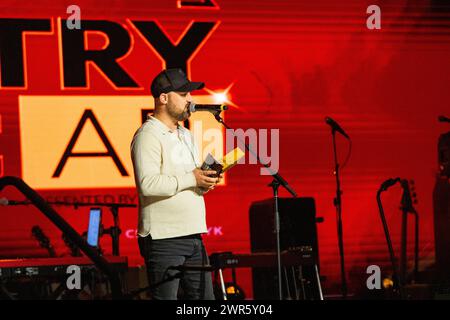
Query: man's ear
x=163, y=98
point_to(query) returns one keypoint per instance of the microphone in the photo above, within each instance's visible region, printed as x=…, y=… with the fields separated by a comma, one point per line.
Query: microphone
x=336, y=127
x=389, y=183
x=207, y=107
x=443, y=119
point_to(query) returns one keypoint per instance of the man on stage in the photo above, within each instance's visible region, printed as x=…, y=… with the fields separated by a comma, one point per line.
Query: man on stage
x=171, y=187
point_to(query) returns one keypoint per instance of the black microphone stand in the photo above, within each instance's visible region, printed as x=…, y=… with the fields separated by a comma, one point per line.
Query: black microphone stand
x=338, y=204
x=276, y=182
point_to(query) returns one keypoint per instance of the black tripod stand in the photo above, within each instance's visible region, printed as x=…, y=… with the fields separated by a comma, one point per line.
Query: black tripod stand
x=276, y=182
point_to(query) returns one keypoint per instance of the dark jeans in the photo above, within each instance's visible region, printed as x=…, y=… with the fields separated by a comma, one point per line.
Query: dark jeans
x=161, y=254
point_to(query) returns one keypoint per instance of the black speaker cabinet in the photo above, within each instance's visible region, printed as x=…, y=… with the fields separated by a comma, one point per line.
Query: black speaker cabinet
x=297, y=228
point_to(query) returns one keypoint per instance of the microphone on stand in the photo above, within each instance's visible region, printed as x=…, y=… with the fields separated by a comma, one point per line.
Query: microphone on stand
x=334, y=125
x=193, y=107
x=443, y=119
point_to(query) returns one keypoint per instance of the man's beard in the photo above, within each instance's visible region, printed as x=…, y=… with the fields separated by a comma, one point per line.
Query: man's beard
x=179, y=116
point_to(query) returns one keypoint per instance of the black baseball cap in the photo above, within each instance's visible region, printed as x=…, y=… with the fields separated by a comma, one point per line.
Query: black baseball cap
x=173, y=80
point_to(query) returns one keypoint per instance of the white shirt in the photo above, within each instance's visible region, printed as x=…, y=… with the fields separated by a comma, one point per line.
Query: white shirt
x=170, y=204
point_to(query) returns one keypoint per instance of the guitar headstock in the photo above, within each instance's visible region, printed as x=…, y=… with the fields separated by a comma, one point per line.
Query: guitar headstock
x=409, y=197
